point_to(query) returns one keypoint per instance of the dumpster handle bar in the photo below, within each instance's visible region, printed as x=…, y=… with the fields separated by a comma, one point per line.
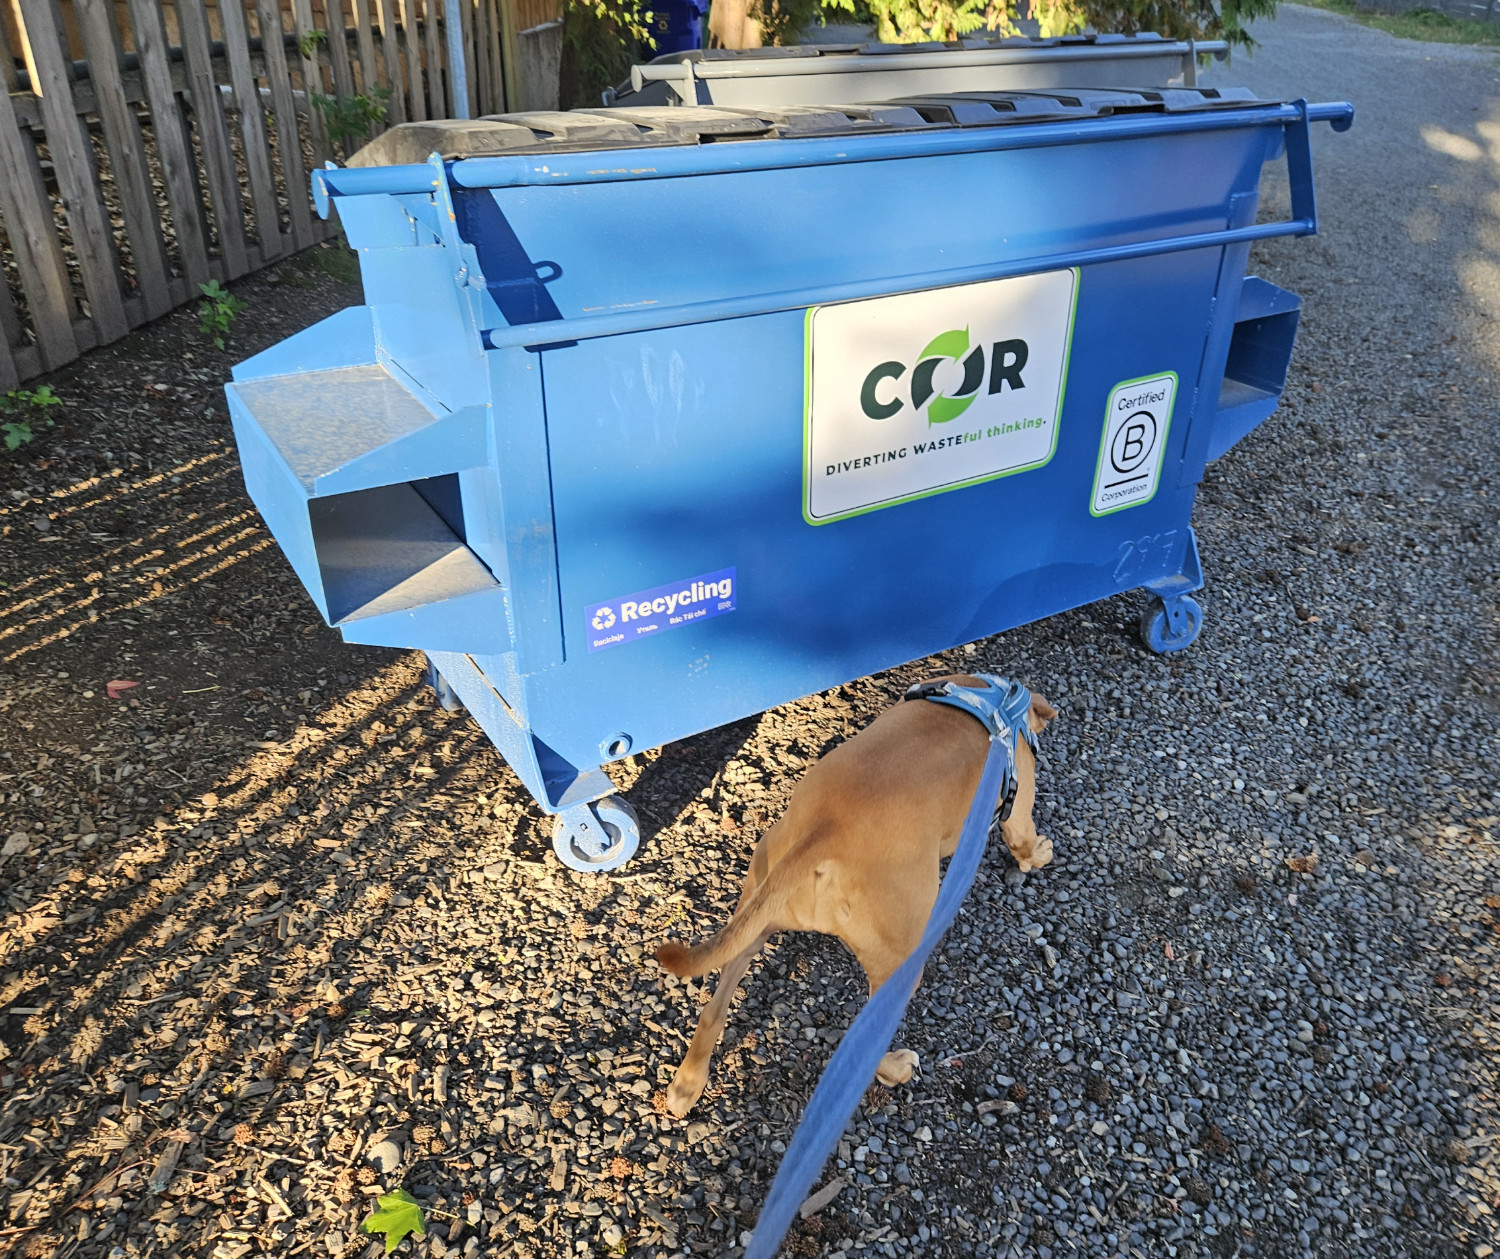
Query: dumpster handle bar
x=537, y=336
x=673, y=161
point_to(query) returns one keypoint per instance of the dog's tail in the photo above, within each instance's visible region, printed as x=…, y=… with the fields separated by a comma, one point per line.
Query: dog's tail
x=761, y=913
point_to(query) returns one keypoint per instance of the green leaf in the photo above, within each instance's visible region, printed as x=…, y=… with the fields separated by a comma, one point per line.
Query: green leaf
x=399, y=1214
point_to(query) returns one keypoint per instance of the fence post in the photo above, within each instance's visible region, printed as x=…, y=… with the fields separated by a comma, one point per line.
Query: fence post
x=458, y=71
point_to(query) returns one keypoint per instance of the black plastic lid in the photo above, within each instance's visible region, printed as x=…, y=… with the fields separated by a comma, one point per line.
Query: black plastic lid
x=581, y=130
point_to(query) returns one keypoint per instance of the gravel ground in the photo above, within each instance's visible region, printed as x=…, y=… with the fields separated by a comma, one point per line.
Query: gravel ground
x=280, y=933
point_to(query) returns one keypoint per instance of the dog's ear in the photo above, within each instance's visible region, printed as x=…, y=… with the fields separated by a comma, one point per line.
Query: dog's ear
x=1041, y=713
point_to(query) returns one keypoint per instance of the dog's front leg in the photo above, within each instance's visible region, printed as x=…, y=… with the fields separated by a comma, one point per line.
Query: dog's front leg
x=692, y=1076
x=1031, y=851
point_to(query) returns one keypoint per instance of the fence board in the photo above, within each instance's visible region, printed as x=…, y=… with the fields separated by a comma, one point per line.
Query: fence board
x=73, y=165
x=418, y=112
x=369, y=71
x=10, y=334
x=127, y=156
x=436, y=93
x=33, y=239
x=288, y=139
x=481, y=67
x=213, y=134
x=252, y=129
x=338, y=48
x=178, y=172
x=390, y=48
x=7, y=63
x=508, y=50
x=312, y=76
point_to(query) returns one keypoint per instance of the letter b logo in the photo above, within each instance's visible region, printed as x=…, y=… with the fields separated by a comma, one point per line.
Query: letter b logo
x=1133, y=442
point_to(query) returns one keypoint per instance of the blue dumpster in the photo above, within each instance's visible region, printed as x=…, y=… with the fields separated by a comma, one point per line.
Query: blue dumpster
x=833, y=74
x=655, y=419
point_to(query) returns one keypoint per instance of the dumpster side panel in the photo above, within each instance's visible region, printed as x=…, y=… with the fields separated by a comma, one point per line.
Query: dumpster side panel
x=679, y=454
x=424, y=321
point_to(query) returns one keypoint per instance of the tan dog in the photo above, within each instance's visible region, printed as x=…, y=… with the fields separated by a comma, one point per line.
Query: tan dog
x=856, y=856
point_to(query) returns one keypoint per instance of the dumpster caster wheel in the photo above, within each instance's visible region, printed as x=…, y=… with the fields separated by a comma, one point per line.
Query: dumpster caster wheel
x=598, y=836
x=1168, y=627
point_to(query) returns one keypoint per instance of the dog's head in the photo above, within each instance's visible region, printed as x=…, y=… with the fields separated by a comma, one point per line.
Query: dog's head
x=1040, y=714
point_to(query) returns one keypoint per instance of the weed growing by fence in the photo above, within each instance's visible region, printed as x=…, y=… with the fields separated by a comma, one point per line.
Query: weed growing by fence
x=349, y=118
x=23, y=412
x=308, y=44
x=218, y=310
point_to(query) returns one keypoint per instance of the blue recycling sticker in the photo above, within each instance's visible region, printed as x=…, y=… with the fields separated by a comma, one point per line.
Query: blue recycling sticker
x=662, y=608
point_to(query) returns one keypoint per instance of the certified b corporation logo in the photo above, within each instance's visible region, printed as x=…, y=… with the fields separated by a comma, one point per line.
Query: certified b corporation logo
x=1006, y=359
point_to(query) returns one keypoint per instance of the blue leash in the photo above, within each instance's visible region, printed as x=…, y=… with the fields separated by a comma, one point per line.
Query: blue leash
x=853, y=1064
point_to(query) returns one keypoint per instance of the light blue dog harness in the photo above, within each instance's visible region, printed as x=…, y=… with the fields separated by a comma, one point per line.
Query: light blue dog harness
x=1002, y=707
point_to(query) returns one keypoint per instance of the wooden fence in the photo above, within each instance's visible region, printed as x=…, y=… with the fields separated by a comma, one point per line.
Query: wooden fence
x=148, y=147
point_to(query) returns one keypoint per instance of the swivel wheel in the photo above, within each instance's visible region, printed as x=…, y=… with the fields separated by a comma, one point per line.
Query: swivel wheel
x=1168, y=627
x=595, y=837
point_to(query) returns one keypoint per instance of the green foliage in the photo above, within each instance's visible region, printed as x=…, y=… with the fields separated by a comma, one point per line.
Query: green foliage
x=398, y=1215
x=217, y=311
x=600, y=40
x=1424, y=24
x=911, y=21
x=783, y=21
x=22, y=408
x=308, y=44
x=349, y=118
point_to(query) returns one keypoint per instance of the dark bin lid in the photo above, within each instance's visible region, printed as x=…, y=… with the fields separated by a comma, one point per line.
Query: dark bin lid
x=581, y=130
x=967, y=44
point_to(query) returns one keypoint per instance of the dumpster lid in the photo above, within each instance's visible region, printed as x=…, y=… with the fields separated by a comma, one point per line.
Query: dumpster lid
x=708, y=57
x=582, y=130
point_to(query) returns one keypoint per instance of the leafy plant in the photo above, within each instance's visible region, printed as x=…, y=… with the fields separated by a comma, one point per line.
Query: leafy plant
x=397, y=1215
x=600, y=40
x=22, y=408
x=217, y=311
x=783, y=21
x=911, y=21
x=308, y=44
x=348, y=118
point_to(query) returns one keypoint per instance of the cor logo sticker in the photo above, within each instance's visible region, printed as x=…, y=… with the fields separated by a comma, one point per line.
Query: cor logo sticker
x=924, y=392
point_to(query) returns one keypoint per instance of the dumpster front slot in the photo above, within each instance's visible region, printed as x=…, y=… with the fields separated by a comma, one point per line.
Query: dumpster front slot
x=1260, y=352
x=386, y=549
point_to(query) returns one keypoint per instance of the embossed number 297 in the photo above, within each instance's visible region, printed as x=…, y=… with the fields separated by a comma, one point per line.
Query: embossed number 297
x=1151, y=552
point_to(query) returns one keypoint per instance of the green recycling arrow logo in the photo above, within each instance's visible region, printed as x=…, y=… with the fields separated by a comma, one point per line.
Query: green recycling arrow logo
x=948, y=346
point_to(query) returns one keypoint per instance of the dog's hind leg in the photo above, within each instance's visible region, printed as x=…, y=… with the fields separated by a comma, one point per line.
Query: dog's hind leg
x=692, y=1076
x=897, y=1065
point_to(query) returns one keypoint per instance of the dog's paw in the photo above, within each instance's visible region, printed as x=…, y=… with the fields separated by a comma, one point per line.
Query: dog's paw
x=674, y=957
x=1041, y=854
x=896, y=1067
x=683, y=1094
